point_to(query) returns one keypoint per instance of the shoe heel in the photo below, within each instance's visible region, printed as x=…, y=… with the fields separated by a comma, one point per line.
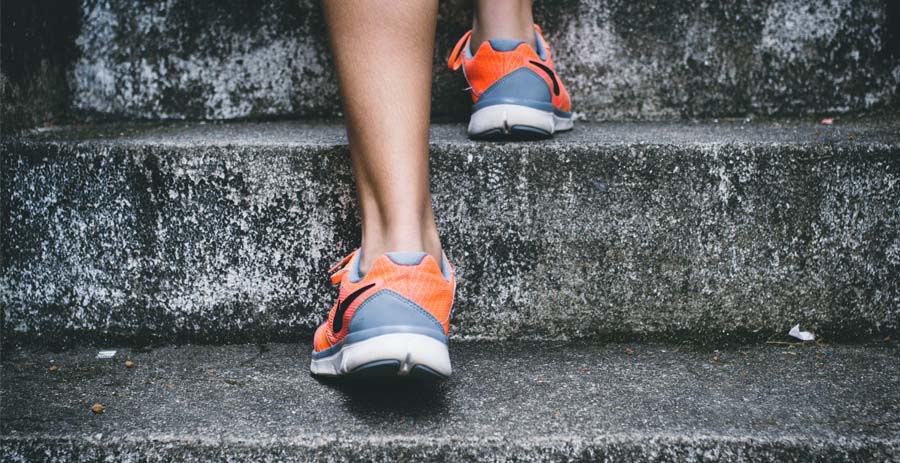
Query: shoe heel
x=511, y=121
x=388, y=335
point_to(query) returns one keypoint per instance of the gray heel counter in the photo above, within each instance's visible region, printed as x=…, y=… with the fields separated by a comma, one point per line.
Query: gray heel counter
x=387, y=308
x=523, y=84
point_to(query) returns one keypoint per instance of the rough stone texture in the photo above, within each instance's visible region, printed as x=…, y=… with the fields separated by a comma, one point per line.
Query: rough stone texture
x=228, y=59
x=621, y=59
x=505, y=402
x=225, y=232
x=36, y=50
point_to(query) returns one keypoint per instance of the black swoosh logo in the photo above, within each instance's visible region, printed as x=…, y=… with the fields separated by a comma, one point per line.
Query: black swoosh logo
x=338, y=321
x=549, y=73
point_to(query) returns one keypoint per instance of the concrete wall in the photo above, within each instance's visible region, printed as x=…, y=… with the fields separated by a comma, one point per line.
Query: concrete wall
x=672, y=231
x=621, y=59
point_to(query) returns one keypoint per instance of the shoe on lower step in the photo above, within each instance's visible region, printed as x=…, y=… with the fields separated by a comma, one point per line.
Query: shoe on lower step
x=392, y=321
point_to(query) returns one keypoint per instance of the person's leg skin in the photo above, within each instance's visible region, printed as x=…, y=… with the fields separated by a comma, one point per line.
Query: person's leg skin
x=502, y=19
x=383, y=52
x=395, y=296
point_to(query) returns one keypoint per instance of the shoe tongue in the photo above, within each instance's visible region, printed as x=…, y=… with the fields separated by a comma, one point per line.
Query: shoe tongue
x=505, y=44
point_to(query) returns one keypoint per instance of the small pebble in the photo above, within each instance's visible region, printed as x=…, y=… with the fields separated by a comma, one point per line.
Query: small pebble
x=53, y=368
x=97, y=408
x=129, y=364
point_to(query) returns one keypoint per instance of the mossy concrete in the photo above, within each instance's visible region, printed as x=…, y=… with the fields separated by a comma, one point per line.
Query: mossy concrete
x=678, y=231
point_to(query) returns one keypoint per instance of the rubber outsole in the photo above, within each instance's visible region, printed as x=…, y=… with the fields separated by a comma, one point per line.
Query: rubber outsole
x=514, y=133
x=515, y=122
x=394, y=354
x=392, y=368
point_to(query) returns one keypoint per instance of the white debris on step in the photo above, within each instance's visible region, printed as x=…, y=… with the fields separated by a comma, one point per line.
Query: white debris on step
x=801, y=335
x=106, y=354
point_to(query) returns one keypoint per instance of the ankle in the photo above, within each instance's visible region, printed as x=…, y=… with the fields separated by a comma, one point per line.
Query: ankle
x=502, y=19
x=524, y=33
x=373, y=247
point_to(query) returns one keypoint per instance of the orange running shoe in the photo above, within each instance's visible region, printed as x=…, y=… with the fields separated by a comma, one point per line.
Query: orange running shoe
x=393, y=321
x=516, y=91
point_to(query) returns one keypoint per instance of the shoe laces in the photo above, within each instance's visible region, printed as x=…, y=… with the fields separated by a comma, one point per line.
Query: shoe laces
x=340, y=269
x=456, y=56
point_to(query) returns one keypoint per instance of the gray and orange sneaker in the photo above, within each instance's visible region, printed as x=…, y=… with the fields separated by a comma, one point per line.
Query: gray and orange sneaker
x=515, y=89
x=392, y=321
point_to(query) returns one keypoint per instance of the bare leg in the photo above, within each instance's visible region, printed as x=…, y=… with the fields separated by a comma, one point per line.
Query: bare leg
x=383, y=52
x=502, y=19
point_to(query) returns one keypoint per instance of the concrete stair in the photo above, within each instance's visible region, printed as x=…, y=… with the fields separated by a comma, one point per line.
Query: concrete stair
x=224, y=232
x=625, y=290
x=507, y=401
x=620, y=59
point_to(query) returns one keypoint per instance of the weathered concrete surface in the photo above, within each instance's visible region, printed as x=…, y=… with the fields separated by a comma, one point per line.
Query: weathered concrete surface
x=37, y=48
x=225, y=232
x=505, y=402
x=620, y=59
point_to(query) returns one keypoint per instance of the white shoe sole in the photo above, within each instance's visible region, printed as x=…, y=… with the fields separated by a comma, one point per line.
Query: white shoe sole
x=510, y=120
x=399, y=354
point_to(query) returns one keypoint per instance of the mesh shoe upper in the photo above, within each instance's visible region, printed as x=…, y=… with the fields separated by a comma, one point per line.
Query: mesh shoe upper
x=492, y=62
x=423, y=283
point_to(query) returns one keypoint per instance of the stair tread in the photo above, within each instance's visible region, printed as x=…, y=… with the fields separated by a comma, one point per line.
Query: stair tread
x=504, y=399
x=222, y=232
x=297, y=133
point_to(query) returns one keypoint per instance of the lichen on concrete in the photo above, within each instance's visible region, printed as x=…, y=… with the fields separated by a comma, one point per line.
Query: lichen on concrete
x=224, y=60
x=129, y=247
x=620, y=59
x=677, y=231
